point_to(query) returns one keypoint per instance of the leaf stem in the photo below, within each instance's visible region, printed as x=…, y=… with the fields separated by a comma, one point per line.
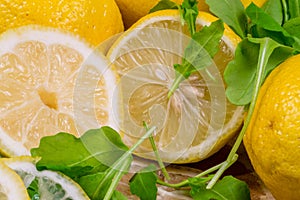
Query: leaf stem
x=186, y=182
x=285, y=11
x=179, y=78
x=158, y=158
x=232, y=157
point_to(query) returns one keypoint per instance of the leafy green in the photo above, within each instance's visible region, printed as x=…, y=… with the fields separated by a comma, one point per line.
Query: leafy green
x=293, y=8
x=33, y=190
x=240, y=73
x=143, y=183
x=96, y=150
x=274, y=9
x=118, y=196
x=189, y=12
x=231, y=12
x=199, y=52
x=163, y=5
x=229, y=188
x=292, y=26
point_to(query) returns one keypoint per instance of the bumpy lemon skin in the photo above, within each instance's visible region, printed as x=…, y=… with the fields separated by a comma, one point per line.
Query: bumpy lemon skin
x=93, y=20
x=272, y=139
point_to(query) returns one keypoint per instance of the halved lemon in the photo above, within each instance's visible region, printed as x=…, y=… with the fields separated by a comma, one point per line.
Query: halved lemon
x=50, y=81
x=11, y=185
x=50, y=184
x=197, y=120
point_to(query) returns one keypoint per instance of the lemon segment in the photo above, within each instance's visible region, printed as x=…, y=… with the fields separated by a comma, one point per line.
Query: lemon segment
x=51, y=185
x=197, y=120
x=51, y=81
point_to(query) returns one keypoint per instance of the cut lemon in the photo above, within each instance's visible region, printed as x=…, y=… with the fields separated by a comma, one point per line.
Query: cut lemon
x=11, y=185
x=197, y=120
x=50, y=184
x=50, y=81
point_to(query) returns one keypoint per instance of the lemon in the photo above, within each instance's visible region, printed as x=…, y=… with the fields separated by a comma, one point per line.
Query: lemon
x=50, y=81
x=11, y=185
x=272, y=139
x=51, y=185
x=93, y=20
x=134, y=10
x=197, y=120
x=259, y=3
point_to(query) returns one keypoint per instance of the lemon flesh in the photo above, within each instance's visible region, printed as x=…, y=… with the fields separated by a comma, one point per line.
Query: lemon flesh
x=50, y=81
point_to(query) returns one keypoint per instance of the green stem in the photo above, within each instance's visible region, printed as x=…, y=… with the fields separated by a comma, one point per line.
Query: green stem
x=158, y=158
x=232, y=157
x=285, y=11
x=186, y=182
x=179, y=78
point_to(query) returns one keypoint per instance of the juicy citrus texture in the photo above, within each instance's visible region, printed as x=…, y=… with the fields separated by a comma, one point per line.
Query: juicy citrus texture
x=190, y=123
x=272, y=139
x=134, y=10
x=50, y=82
x=51, y=185
x=11, y=185
x=94, y=20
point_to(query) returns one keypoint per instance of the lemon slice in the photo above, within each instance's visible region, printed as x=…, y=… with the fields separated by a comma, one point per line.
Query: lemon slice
x=11, y=185
x=51, y=185
x=197, y=120
x=50, y=81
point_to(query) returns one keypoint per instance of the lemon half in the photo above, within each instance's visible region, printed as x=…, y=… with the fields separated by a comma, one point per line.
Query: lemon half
x=197, y=120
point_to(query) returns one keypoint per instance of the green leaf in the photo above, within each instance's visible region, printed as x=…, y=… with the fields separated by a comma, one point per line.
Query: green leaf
x=118, y=196
x=163, y=5
x=189, y=14
x=240, y=73
x=96, y=150
x=293, y=27
x=143, y=184
x=231, y=12
x=274, y=9
x=33, y=190
x=293, y=8
x=229, y=188
x=201, y=49
x=199, y=52
x=265, y=25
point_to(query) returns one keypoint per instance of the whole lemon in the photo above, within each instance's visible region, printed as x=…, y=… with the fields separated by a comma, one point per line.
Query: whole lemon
x=134, y=10
x=272, y=139
x=93, y=20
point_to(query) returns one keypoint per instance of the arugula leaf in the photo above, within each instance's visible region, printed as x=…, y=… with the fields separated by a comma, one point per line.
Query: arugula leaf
x=33, y=190
x=232, y=12
x=143, y=183
x=274, y=9
x=118, y=196
x=266, y=26
x=229, y=188
x=240, y=73
x=96, y=150
x=294, y=8
x=199, y=52
x=293, y=27
x=163, y=5
x=189, y=13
